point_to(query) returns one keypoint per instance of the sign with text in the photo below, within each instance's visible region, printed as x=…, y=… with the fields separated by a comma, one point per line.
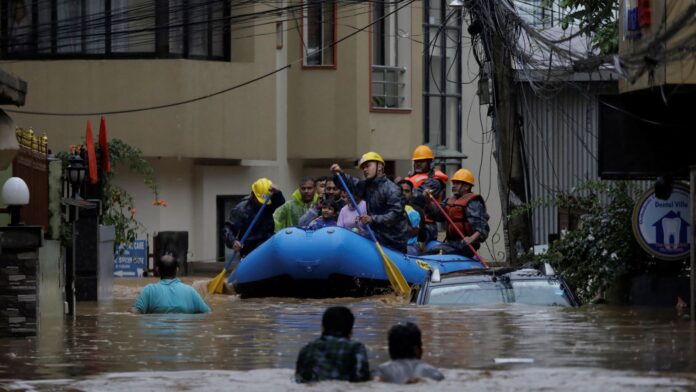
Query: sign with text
x=131, y=261
x=663, y=227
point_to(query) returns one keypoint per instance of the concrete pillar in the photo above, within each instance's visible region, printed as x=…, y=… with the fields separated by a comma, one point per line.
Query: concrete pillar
x=19, y=261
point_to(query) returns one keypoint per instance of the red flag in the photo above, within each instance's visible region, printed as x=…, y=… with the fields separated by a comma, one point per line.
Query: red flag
x=104, y=146
x=91, y=154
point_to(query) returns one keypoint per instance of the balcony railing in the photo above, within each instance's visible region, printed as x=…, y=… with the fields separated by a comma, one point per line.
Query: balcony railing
x=388, y=86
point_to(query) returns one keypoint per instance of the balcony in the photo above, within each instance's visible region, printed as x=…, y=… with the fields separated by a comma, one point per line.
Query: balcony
x=388, y=87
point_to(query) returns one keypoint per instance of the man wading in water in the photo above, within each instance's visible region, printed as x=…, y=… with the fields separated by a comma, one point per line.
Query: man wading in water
x=170, y=295
x=333, y=356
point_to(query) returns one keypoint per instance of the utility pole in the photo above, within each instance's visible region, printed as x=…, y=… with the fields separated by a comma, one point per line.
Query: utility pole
x=508, y=139
x=692, y=206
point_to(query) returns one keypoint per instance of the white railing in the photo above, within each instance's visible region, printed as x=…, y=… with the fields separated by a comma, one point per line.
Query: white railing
x=388, y=86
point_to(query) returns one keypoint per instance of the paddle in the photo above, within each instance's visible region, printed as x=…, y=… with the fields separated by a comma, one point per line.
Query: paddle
x=396, y=278
x=457, y=228
x=218, y=283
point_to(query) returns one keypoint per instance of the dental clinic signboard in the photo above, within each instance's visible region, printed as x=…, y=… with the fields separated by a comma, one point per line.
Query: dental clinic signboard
x=663, y=227
x=131, y=261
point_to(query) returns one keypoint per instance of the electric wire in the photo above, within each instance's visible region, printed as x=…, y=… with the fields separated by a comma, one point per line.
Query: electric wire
x=199, y=98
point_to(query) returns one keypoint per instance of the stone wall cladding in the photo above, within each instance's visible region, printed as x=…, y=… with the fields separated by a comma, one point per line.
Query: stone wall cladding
x=19, y=260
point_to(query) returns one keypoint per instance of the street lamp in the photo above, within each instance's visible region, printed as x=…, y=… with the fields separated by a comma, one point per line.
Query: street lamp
x=15, y=194
x=76, y=174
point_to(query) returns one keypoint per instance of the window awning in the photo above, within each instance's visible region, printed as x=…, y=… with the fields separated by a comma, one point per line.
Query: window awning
x=13, y=90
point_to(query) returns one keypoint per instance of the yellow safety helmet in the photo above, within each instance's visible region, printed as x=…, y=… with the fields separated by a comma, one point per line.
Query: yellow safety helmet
x=422, y=152
x=464, y=175
x=370, y=156
x=261, y=188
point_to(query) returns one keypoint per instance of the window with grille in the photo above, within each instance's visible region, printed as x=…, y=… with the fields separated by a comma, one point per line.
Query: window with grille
x=115, y=28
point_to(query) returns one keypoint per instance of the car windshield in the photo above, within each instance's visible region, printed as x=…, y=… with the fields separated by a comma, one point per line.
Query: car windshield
x=532, y=292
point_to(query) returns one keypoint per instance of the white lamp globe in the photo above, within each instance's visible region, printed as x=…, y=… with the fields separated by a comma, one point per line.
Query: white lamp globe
x=15, y=192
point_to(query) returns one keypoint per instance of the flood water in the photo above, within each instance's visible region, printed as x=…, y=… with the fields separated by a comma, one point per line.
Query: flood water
x=252, y=345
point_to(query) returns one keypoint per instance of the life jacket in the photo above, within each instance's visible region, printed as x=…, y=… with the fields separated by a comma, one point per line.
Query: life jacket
x=419, y=178
x=456, y=209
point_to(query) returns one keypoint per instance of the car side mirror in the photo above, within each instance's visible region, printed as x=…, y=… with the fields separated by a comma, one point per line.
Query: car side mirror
x=548, y=270
x=435, y=276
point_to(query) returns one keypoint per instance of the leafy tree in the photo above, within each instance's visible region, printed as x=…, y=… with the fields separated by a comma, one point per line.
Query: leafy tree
x=596, y=18
x=118, y=206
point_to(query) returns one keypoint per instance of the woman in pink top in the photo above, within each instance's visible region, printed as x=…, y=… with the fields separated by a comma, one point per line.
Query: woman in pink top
x=348, y=217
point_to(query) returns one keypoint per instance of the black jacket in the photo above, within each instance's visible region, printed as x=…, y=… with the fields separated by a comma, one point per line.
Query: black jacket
x=420, y=199
x=385, y=204
x=241, y=216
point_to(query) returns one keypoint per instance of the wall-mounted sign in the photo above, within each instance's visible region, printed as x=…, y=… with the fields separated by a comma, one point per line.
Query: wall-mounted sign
x=131, y=261
x=663, y=227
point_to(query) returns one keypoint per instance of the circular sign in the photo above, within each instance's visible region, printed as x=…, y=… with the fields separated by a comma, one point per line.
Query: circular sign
x=663, y=227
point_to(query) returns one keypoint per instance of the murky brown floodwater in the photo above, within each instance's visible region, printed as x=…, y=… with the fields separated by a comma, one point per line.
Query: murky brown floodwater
x=595, y=344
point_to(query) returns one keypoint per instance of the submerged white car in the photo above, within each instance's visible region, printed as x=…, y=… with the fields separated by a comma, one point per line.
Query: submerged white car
x=496, y=285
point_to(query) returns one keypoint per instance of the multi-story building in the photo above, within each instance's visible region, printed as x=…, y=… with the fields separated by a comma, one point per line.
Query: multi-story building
x=217, y=93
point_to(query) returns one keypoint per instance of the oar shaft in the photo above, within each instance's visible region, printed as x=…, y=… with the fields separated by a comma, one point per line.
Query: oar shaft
x=394, y=275
x=451, y=222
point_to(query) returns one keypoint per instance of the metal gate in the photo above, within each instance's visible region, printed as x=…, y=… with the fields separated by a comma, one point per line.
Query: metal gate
x=31, y=165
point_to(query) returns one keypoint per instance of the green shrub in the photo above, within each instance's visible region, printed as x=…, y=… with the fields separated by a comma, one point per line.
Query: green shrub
x=602, y=251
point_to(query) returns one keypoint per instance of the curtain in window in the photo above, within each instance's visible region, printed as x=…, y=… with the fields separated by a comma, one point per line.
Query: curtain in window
x=44, y=30
x=378, y=34
x=132, y=26
x=176, y=26
x=218, y=27
x=328, y=33
x=198, y=27
x=94, y=26
x=119, y=25
x=69, y=31
x=19, y=22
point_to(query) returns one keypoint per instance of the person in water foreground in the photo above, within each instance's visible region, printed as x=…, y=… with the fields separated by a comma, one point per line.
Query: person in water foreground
x=169, y=295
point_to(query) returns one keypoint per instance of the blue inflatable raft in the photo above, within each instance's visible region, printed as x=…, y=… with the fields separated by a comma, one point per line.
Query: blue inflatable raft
x=329, y=262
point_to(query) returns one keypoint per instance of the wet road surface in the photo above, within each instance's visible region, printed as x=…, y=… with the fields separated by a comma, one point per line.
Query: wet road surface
x=502, y=347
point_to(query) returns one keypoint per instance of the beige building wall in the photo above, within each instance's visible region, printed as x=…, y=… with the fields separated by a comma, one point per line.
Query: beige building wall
x=329, y=113
x=681, y=70
x=282, y=127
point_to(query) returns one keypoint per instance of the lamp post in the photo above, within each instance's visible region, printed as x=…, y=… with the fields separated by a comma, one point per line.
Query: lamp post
x=76, y=174
x=15, y=194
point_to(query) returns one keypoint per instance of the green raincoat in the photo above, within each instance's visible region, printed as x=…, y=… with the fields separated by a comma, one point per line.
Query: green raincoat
x=289, y=214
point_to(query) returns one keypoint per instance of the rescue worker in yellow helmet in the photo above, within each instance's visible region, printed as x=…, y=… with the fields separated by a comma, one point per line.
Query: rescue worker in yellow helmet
x=468, y=212
x=426, y=177
x=244, y=212
x=385, y=203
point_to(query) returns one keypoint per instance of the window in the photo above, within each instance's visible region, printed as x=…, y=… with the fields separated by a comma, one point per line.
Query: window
x=319, y=33
x=391, y=52
x=535, y=13
x=116, y=28
x=442, y=89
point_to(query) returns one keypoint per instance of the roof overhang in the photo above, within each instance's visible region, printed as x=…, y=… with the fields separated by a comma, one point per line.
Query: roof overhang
x=13, y=90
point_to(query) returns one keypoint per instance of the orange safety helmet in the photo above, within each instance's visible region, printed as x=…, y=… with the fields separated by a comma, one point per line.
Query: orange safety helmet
x=464, y=175
x=422, y=152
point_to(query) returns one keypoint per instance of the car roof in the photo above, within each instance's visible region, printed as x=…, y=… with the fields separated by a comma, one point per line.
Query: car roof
x=477, y=275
